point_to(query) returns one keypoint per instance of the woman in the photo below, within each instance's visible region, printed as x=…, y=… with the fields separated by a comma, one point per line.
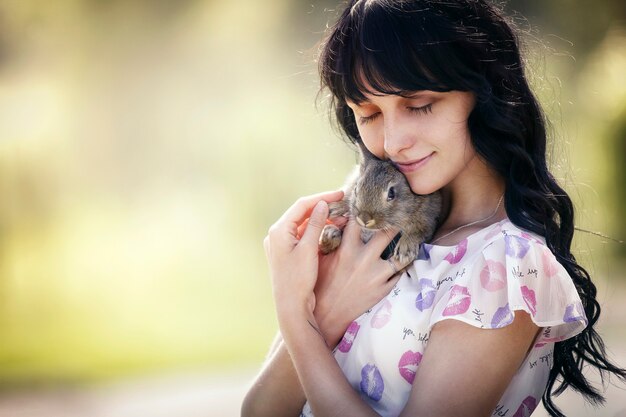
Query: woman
x=495, y=309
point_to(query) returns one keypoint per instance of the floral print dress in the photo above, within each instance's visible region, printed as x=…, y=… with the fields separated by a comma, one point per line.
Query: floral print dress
x=482, y=281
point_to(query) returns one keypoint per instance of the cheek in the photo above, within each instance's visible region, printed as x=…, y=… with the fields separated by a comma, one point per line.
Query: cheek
x=373, y=143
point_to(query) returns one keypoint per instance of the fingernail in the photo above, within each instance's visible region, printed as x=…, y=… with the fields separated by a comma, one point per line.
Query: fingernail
x=319, y=207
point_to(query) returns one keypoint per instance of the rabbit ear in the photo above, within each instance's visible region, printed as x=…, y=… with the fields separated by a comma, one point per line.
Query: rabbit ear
x=364, y=152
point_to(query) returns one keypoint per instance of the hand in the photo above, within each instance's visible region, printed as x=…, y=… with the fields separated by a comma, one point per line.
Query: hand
x=291, y=247
x=352, y=279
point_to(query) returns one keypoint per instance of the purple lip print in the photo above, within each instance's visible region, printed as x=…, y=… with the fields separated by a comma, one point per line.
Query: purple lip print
x=348, y=338
x=408, y=365
x=458, y=302
x=457, y=253
x=550, y=265
x=529, y=298
x=502, y=317
x=382, y=315
x=372, y=382
x=527, y=407
x=516, y=247
x=492, y=276
x=426, y=296
x=574, y=312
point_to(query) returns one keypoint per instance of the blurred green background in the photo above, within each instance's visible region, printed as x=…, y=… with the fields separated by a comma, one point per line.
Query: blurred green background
x=146, y=147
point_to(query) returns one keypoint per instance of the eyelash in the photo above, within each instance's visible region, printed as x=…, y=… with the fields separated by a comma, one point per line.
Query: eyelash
x=424, y=110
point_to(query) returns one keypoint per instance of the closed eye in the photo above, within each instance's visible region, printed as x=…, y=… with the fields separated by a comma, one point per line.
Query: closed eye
x=363, y=120
x=424, y=109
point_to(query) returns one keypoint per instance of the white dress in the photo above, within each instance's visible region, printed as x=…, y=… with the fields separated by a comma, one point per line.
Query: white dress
x=481, y=281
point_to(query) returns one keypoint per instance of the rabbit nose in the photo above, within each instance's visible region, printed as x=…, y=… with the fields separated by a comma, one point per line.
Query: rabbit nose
x=365, y=220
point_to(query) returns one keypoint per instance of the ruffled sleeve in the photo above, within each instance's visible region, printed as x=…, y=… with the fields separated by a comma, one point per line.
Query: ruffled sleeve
x=514, y=272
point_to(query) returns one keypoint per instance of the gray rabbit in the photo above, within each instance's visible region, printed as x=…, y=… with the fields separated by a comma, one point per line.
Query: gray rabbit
x=379, y=197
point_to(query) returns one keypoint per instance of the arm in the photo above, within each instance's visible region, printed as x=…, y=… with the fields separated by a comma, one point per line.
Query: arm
x=276, y=391
x=336, y=278
x=465, y=370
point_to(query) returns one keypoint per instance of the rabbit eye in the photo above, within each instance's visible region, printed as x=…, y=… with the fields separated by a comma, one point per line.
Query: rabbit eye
x=391, y=194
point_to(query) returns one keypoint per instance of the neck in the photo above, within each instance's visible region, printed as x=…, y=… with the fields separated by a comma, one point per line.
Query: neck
x=472, y=198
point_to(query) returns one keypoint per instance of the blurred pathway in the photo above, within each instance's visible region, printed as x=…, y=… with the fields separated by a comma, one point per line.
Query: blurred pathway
x=220, y=395
x=202, y=395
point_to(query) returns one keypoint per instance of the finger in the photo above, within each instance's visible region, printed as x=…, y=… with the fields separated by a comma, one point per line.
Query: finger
x=391, y=282
x=266, y=245
x=316, y=223
x=390, y=268
x=302, y=228
x=304, y=224
x=302, y=208
x=352, y=233
x=289, y=227
x=381, y=240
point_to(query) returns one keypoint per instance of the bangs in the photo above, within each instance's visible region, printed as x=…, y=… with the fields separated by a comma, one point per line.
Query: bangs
x=379, y=48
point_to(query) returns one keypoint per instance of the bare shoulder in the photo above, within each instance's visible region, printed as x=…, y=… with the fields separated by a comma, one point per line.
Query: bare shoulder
x=465, y=369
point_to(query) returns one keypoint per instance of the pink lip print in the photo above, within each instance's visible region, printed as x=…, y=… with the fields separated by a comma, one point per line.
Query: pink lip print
x=348, y=338
x=529, y=298
x=408, y=365
x=516, y=247
x=527, y=407
x=502, y=317
x=457, y=253
x=426, y=296
x=382, y=315
x=550, y=265
x=372, y=382
x=458, y=302
x=492, y=276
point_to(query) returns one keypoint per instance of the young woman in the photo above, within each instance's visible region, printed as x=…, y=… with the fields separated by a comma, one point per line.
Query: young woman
x=495, y=311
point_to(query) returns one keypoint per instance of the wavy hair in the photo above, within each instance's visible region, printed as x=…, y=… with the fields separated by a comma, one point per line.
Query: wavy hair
x=397, y=47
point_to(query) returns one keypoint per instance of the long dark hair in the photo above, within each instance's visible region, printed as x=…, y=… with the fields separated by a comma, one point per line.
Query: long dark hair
x=396, y=47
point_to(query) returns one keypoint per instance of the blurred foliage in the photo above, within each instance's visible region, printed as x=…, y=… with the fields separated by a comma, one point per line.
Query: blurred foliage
x=146, y=147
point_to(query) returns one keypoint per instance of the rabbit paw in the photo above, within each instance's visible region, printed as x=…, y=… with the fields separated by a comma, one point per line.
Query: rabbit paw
x=330, y=238
x=405, y=251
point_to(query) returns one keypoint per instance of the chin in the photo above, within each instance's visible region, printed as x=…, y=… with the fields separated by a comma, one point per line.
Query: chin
x=423, y=189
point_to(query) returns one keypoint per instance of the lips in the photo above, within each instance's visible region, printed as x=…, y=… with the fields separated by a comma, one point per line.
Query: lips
x=412, y=165
x=382, y=315
x=574, y=312
x=502, y=317
x=550, y=265
x=372, y=383
x=526, y=407
x=458, y=302
x=457, y=253
x=516, y=247
x=492, y=276
x=348, y=338
x=408, y=365
x=426, y=296
x=530, y=299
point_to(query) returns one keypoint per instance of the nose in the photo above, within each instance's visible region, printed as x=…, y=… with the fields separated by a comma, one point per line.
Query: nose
x=365, y=219
x=398, y=136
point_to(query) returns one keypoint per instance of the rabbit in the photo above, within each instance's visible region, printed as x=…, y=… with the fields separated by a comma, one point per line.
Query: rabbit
x=379, y=197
